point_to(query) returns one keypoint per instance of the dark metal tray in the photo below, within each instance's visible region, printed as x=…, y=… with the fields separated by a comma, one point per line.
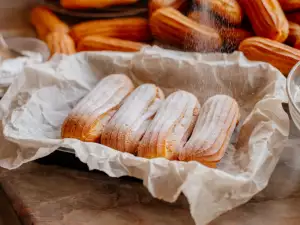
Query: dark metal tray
x=139, y=8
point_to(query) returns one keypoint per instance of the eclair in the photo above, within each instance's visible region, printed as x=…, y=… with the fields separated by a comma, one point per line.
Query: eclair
x=128, y=125
x=171, y=126
x=89, y=117
x=212, y=133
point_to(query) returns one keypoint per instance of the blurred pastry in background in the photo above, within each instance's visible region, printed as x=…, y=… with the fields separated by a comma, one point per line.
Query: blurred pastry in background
x=267, y=19
x=181, y=5
x=46, y=22
x=60, y=43
x=280, y=55
x=294, y=34
x=228, y=10
x=100, y=43
x=170, y=26
x=131, y=29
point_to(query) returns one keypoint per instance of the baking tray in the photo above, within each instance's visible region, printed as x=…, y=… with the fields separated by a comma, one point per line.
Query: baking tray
x=138, y=9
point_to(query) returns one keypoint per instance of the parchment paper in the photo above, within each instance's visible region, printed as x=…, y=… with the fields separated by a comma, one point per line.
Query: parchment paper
x=38, y=101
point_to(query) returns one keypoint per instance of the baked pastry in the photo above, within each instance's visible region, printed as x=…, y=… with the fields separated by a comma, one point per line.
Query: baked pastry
x=267, y=19
x=180, y=5
x=101, y=43
x=279, y=55
x=87, y=120
x=45, y=22
x=294, y=34
x=171, y=126
x=131, y=29
x=216, y=122
x=129, y=124
x=170, y=26
x=60, y=43
x=228, y=10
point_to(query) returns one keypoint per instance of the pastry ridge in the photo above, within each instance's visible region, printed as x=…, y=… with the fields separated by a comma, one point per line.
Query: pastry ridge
x=216, y=122
x=129, y=124
x=171, y=126
x=88, y=118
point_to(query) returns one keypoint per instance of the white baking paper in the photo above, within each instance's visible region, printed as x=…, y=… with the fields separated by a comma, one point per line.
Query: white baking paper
x=38, y=101
x=11, y=66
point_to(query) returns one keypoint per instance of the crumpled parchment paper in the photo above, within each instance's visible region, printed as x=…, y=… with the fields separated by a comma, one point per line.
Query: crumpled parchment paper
x=34, y=107
x=11, y=67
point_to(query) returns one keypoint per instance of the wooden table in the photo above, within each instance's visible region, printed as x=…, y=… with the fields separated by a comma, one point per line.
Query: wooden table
x=52, y=195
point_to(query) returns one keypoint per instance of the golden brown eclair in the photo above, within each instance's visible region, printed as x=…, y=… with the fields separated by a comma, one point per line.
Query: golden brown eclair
x=60, y=43
x=205, y=18
x=171, y=126
x=294, y=34
x=132, y=29
x=230, y=10
x=170, y=26
x=267, y=18
x=231, y=36
x=100, y=43
x=216, y=122
x=280, y=55
x=45, y=22
x=89, y=117
x=128, y=125
x=180, y=5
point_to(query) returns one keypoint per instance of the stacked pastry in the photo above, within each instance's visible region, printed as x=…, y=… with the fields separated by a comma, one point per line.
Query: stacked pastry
x=141, y=122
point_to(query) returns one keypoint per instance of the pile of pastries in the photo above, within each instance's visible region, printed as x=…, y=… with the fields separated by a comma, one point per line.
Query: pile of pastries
x=263, y=30
x=141, y=121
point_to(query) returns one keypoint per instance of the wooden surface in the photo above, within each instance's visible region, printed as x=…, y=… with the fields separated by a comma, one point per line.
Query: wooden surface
x=7, y=213
x=52, y=195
